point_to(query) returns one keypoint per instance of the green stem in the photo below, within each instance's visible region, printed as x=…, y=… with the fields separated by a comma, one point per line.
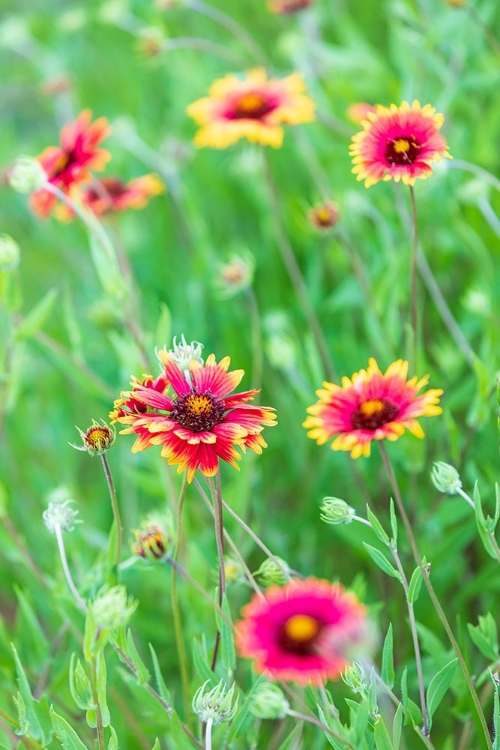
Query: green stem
x=437, y=606
x=66, y=570
x=116, y=510
x=257, y=354
x=215, y=491
x=98, y=712
x=413, y=283
x=317, y=723
x=176, y=612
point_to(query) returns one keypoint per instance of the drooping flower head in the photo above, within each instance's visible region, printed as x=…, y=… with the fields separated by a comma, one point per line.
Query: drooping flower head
x=254, y=108
x=111, y=195
x=70, y=163
x=306, y=631
x=398, y=143
x=371, y=406
x=192, y=416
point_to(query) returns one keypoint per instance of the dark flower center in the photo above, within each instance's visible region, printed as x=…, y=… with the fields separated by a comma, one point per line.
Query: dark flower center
x=198, y=412
x=299, y=634
x=106, y=188
x=404, y=150
x=374, y=413
x=251, y=107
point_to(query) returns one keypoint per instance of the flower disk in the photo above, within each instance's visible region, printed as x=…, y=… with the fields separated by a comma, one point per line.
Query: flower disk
x=111, y=195
x=371, y=406
x=398, y=143
x=253, y=108
x=303, y=632
x=200, y=422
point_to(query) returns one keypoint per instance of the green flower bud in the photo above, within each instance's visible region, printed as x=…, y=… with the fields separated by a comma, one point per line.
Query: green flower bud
x=97, y=439
x=445, y=478
x=10, y=254
x=355, y=678
x=27, y=175
x=183, y=353
x=273, y=571
x=269, y=702
x=336, y=511
x=216, y=705
x=112, y=608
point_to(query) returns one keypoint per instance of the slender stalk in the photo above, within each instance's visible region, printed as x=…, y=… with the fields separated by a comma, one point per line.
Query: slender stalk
x=176, y=611
x=116, y=510
x=413, y=283
x=317, y=723
x=435, y=601
x=201, y=591
x=66, y=570
x=95, y=698
x=215, y=491
x=295, y=275
x=257, y=353
x=208, y=734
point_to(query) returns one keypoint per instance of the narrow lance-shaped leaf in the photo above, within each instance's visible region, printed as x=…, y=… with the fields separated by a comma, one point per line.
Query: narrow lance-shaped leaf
x=438, y=687
x=387, y=671
x=377, y=526
x=381, y=561
x=65, y=733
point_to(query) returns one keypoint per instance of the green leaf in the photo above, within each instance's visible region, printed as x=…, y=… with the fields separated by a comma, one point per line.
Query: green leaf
x=413, y=713
x=36, y=318
x=381, y=561
x=157, y=745
x=101, y=688
x=397, y=727
x=377, y=526
x=240, y=720
x=200, y=662
x=294, y=740
x=387, y=671
x=30, y=636
x=28, y=719
x=65, y=733
x=79, y=684
x=228, y=652
x=485, y=637
x=180, y=740
x=394, y=525
x=485, y=526
x=438, y=687
x=143, y=674
x=160, y=682
x=331, y=740
x=382, y=738
x=415, y=584
x=496, y=715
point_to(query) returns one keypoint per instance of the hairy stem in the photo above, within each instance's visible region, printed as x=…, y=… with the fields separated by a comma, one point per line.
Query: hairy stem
x=176, y=612
x=116, y=510
x=215, y=490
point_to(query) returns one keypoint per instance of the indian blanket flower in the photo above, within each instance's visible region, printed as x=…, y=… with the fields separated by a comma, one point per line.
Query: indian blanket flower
x=306, y=631
x=254, y=108
x=112, y=195
x=197, y=422
x=398, y=143
x=70, y=163
x=371, y=406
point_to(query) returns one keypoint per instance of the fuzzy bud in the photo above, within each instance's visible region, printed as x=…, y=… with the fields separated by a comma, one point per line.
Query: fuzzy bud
x=335, y=511
x=183, y=353
x=269, y=702
x=273, y=571
x=355, y=678
x=155, y=538
x=446, y=478
x=60, y=515
x=216, y=705
x=112, y=608
x=27, y=175
x=10, y=254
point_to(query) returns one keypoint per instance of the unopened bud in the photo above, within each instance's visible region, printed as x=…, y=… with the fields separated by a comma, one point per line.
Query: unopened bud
x=355, y=678
x=10, y=254
x=273, y=571
x=113, y=608
x=336, y=511
x=97, y=440
x=27, y=175
x=183, y=353
x=269, y=702
x=324, y=216
x=446, y=478
x=236, y=275
x=155, y=539
x=216, y=705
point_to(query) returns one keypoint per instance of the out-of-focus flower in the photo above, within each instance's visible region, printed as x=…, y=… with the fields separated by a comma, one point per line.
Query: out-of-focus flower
x=10, y=253
x=236, y=275
x=269, y=702
x=201, y=423
x=304, y=632
x=97, y=439
x=335, y=511
x=111, y=195
x=60, y=515
x=70, y=163
x=128, y=404
x=112, y=608
x=359, y=112
x=254, y=108
x=324, y=216
x=286, y=7
x=273, y=571
x=54, y=86
x=446, y=478
x=27, y=175
x=398, y=143
x=215, y=705
x=371, y=406
x=155, y=539
x=151, y=41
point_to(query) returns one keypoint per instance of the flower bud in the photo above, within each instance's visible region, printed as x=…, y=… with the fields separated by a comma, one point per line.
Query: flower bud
x=269, y=702
x=236, y=275
x=355, y=678
x=273, y=571
x=216, y=704
x=184, y=353
x=324, y=216
x=60, y=515
x=10, y=254
x=97, y=440
x=112, y=608
x=446, y=478
x=336, y=511
x=155, y=538
x=27, y=175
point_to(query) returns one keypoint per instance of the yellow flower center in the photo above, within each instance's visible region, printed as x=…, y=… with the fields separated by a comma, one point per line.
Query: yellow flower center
x=373, y=414
x=301, y=628
x=251, y=106
x=97, y=439
x=199, y=405
x=372, y=407
x=401, y=146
